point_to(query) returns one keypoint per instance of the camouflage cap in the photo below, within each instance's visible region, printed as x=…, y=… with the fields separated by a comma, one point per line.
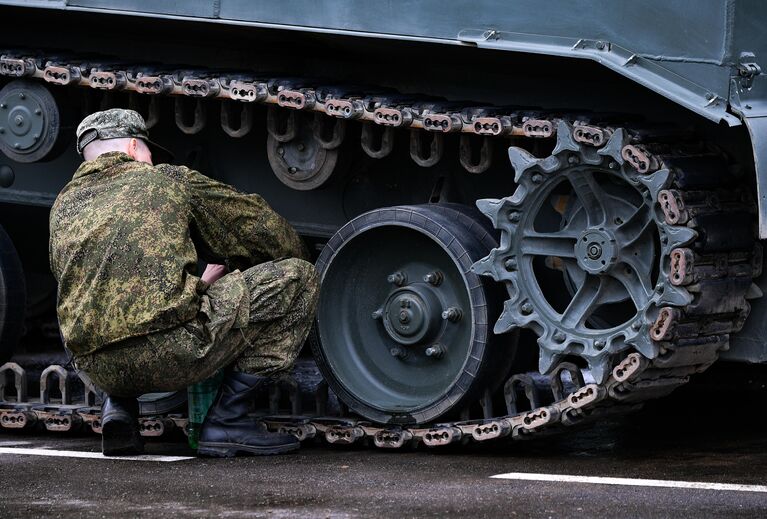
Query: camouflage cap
x=115, y=123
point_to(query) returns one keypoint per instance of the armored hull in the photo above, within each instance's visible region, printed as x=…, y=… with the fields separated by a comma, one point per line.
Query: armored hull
x=524, y=218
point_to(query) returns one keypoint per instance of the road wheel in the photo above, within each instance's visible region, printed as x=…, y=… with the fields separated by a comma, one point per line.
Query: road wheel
x=403, y=326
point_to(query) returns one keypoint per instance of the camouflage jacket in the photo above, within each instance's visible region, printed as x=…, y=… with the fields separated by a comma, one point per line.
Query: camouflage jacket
x=125, y=238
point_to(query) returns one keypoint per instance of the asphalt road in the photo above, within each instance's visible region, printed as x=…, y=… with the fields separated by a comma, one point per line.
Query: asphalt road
x=713, y=434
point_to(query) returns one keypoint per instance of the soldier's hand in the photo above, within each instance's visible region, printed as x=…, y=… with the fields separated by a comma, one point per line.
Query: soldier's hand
x=213, y=273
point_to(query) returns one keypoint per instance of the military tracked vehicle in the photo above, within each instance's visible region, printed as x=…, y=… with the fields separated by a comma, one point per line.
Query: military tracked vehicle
x=526, y=215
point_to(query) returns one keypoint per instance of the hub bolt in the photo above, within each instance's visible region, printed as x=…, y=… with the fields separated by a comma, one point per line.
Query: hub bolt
x=537, y=178
x=433, y=278
x=404, y=318
x=436, y=351
x=513, y=216
x=398, y=278
x=636, y=325
x=452, y=314
x=377, y=314
x=399, y=353
x=527, y=308
x=594, y=251
x=559, y=337
x=510, y=264
x=599, y=344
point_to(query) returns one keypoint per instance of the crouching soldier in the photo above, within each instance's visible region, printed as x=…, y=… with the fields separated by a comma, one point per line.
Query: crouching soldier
x=125, y=239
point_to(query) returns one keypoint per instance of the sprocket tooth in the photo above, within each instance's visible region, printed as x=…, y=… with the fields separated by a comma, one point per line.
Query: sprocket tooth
x=656, y=182
x=614, y=146
x=643, y=344
x=565, y=140
x=674, y=296
x=547, y=360
x=754, y=292
x=486, y=266
x=490, y=207
x=598, y=370
x=522, y=161
x=506, y=322
x=679, y=236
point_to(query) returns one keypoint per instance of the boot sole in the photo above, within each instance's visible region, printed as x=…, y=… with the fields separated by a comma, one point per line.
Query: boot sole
x=230, y=450
x=121, y=439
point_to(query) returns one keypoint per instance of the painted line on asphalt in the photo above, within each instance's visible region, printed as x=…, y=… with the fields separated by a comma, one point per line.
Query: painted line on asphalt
x=14, y=443
x=595, y=480
x=90, y=455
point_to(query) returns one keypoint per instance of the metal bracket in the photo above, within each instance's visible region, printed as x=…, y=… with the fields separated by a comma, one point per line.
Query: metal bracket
x=747, y=69
x=19, y=381
x=45, y=382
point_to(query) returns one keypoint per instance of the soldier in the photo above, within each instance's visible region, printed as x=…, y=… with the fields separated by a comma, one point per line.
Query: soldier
x=125, y=239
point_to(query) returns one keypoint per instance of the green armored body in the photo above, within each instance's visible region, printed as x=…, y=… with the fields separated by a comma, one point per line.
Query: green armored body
x=519, y=225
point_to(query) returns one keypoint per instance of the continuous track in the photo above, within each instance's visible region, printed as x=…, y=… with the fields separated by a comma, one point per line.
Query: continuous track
x=709, y=245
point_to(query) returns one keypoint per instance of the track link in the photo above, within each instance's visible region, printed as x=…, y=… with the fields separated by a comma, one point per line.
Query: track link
x=712, y=267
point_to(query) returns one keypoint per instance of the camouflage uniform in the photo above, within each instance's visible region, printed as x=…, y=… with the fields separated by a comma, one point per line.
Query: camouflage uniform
x=125, y=241
x=281, y=300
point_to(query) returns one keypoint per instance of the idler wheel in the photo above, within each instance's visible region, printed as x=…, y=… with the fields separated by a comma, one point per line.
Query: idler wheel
x=404, y=327
x=30, y=122
x=301, y=163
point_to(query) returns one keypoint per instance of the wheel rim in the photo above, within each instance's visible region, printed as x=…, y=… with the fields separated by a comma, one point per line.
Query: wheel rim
x=29, y=121
x=605, y=246
x=401, y=331
x=301, y=163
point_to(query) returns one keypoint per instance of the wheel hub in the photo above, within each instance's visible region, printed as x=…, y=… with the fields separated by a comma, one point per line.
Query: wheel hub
x=412, y=314
x=596, y=251
x=21, y=121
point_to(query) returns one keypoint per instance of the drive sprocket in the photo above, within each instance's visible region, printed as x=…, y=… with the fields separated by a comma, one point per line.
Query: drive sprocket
x=584, y=252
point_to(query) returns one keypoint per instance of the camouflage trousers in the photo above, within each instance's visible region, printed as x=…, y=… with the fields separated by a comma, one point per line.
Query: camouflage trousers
x=255, y=321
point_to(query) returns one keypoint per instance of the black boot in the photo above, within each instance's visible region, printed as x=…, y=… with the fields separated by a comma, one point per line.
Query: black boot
x=119, y=427
x=228, y=429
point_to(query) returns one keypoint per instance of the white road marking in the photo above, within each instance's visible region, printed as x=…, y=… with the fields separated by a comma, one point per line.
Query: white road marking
x=11, y=443
x=91, y=455
x=563, y=478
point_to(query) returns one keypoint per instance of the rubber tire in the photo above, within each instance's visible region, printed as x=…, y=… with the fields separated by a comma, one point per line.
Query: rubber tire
x=13, y=295
x=495, y=353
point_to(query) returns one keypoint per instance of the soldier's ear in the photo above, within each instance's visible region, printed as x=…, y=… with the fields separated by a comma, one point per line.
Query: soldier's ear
x=133, y=148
